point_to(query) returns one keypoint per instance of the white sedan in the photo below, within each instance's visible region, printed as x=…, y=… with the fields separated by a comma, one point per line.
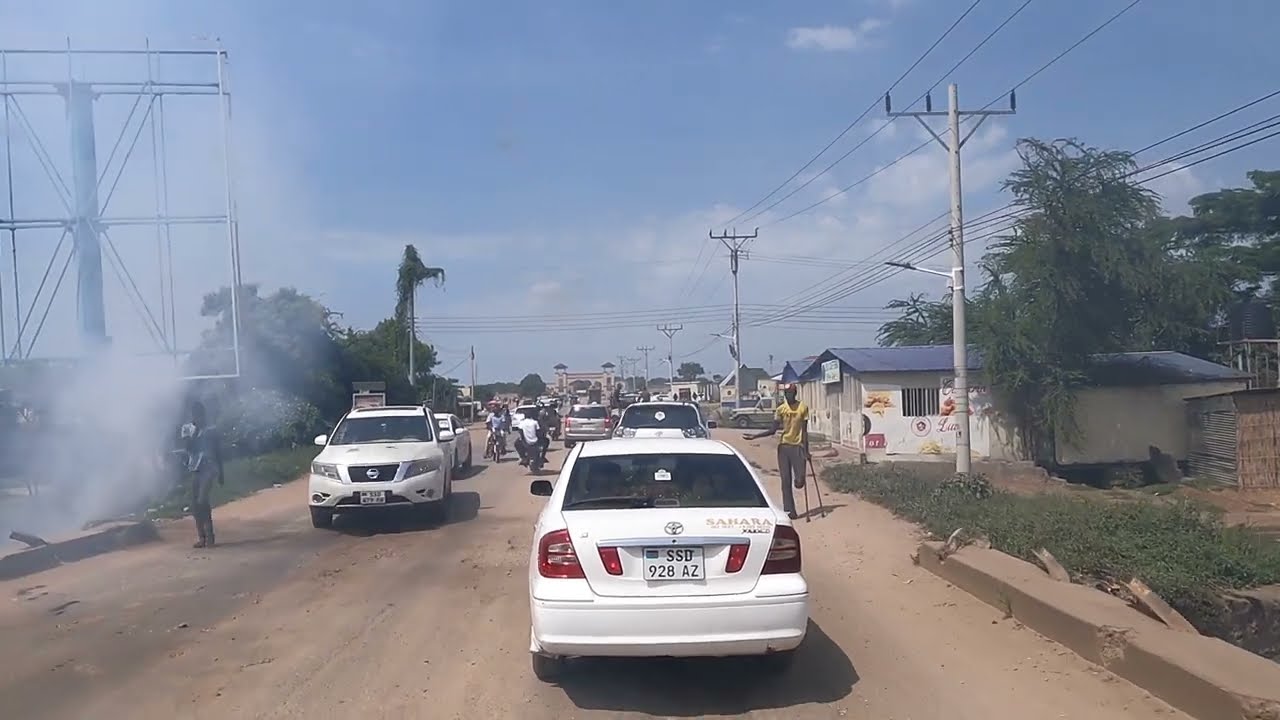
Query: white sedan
x=662, y=548
x=457, y=436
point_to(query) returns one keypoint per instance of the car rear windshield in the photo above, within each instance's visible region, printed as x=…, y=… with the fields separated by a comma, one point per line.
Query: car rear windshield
x=662, y=481
x=388, y=428
x=659, y=416
x=589, y=412
x=527, y=410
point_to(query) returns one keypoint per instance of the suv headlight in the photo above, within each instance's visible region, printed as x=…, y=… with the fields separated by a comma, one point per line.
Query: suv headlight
x=695, y=432
x=422, y=467
x=625, y=432
x=326, y=470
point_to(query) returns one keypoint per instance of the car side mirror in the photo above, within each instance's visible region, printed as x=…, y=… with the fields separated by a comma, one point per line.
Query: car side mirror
x=446, y=435
x=541, y=488
x=321, y=440
x=712, y=424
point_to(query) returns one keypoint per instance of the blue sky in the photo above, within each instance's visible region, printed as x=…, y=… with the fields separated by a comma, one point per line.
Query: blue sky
x=561, y=158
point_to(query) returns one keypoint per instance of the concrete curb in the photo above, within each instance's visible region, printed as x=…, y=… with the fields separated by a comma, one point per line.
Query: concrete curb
x=101, y=540
x=1201, y=676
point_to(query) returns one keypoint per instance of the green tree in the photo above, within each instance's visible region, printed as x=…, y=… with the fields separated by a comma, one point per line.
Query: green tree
x=920, y=322
x=532, y=385
x=689, y=371
x=1088, y=267
x=410, y=276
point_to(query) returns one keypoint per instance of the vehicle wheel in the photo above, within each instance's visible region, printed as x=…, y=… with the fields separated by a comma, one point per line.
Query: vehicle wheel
x=743, y=422
x=778, y=662
x=467, y=465
x=321, y=518
x=547, y=668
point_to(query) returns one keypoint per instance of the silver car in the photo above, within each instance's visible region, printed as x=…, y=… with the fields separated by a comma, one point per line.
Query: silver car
x=587, y=422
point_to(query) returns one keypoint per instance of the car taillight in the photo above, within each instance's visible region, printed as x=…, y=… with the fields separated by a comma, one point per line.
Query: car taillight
x=784, y=553
x=737, y=557
x=556, y=558
x=611, y=561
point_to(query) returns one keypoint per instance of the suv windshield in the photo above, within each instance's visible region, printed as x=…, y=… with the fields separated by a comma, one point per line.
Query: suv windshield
x=661, y=480
x=388, y=428
x=527, y=411
x=660, y=416
x=589, y=412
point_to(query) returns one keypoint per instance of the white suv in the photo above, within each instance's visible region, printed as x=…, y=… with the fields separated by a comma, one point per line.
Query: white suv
x=662, y=420
x=379, y=458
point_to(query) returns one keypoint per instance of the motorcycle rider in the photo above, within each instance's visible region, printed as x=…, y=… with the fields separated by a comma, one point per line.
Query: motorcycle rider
x=530, y=439
x=498, y=428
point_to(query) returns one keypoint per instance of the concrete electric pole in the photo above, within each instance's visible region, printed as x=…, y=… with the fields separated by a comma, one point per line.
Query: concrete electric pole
x=735, y=242
x=670, y=331
x=959, y=337
x=644, y=349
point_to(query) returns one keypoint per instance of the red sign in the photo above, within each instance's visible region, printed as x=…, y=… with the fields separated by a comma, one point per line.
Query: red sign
x=873, y=441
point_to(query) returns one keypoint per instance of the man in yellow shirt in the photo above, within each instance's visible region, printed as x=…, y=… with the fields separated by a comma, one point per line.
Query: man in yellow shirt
x=791, y=419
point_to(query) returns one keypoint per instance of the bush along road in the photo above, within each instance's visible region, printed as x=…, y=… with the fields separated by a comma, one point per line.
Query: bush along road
x=1208, y=572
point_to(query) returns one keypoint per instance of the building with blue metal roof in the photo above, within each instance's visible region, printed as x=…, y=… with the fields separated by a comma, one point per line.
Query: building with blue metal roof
x=898, y=401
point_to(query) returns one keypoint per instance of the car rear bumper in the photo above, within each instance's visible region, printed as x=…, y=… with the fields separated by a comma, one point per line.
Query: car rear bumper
x=751, y=626
x=587, y=436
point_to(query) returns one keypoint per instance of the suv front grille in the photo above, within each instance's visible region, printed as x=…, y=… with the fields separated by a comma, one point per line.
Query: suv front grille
x=360, y=473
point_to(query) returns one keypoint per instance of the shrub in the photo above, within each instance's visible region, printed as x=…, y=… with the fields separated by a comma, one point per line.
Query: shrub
x=260, y=421
x=1184, y=552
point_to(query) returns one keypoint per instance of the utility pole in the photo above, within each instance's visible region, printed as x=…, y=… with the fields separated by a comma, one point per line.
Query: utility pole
x=670, y=331
x=473, y=373
x=645, y=350
x=959, y=336
x=632, y=362
x=735, y=242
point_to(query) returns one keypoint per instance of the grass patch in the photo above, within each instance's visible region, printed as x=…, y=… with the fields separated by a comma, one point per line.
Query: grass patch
x=244, y=476
x=1181, y=549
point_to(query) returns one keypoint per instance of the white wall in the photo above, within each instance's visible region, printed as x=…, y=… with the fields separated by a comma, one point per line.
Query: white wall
x=1118, y=424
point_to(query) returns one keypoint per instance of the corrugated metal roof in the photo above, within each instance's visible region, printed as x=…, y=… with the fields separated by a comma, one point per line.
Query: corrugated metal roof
x=910, y=358
x=1161, y=367
x=793, y=369
x=1168, y=365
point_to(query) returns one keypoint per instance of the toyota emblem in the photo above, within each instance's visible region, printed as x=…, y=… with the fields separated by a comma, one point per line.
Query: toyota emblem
x=674, y=528
x=372, y=473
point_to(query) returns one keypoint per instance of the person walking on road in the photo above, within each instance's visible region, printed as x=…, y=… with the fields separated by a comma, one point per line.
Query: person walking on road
x=204, y=465
x=791, y=419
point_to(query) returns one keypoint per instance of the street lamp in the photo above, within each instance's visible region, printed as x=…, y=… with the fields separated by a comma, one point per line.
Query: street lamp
x=960, y=357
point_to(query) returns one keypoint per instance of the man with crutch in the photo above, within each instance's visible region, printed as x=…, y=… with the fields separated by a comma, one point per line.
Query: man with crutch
x=791, y=420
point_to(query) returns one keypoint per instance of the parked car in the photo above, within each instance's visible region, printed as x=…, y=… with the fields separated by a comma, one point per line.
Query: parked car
x=587, y=422
x=757, y=415
x=662, y=548
x=662, y=419
x=379, y=458
x=457, y=436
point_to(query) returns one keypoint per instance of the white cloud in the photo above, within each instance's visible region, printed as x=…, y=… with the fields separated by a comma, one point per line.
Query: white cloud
x=1177, y=188
x=833, y=38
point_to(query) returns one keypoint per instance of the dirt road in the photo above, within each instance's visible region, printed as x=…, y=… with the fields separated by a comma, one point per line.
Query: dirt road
x=403, y=621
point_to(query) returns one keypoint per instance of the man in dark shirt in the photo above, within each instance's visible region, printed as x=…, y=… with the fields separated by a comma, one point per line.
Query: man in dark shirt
x=204, y=465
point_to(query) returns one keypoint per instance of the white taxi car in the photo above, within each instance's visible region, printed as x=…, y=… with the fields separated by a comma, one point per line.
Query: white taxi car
x=379, y=458
x=662, y=548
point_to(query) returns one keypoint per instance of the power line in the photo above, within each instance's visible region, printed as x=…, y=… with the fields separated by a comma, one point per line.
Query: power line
x=998, y=221
x=1036, y=73
x=874, y=103
x=880, y=129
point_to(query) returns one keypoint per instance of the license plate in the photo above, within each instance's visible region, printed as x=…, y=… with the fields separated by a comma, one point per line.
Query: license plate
x=673, y=563
x=373, y=497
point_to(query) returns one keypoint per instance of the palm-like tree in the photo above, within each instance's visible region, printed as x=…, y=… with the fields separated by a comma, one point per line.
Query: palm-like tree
x=409, y=277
